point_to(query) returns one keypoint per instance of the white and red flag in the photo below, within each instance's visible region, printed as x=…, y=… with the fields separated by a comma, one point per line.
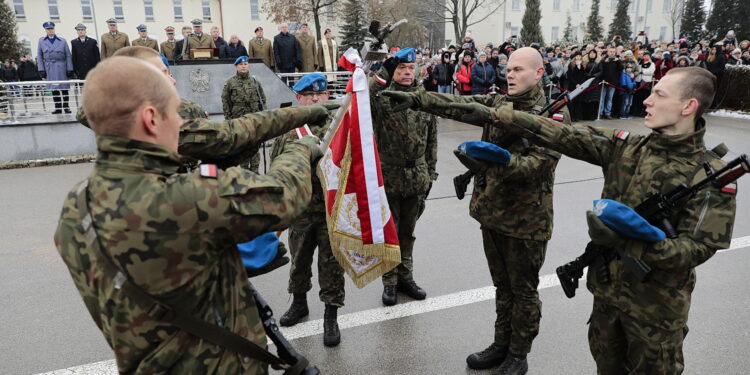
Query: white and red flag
x=361, y=228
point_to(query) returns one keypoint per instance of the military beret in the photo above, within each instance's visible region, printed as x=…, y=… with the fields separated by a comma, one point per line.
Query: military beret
x=164, y=60
x=49, y=25
x=169, y=29
x=111, y=21
x=311, y=82
x=258, y=29
x=197, y=22
x=80, y=26
x=485, y=151
x=141, y=27
x=241, y=59
x=260, y=251
x=406, y=55
x=625, y=221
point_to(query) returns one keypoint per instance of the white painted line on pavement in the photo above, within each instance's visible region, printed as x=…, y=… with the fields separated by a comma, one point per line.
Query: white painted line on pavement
x=376, y=315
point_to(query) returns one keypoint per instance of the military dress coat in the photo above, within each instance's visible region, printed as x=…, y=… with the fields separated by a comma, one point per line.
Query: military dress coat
x=54, y=58
x=261, y=48
x=85, y=55
x=308, y=56
x=111, y=43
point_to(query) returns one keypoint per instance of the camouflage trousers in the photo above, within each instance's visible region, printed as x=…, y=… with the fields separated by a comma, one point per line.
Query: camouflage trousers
x=406, y=211
x=514, y=265
x=306, y=233
x=623, y=345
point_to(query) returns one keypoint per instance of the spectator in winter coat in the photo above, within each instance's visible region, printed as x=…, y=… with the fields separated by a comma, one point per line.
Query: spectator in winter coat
x=285, y=50
x=746, y=57
x=501, y=73
x=611, y=68
x=233, y=49
x=645, y=78
x=463, y=73
x=219, y=42
x=627, y=82
x=735, y=58
x=662, y=62
x=716, y=61
x=10, y=72
x=590, y=99
x=482, y=75
x=683, y=62
x=27, y=71
x=575, y=76
x=443, y=74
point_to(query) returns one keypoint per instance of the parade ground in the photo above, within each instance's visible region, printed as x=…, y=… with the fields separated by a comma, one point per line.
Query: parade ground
x=46, y=328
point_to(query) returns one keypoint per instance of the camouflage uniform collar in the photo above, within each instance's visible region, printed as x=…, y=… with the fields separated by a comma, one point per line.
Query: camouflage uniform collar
x=398, y=87
x=123, y=153
x=527, y=99
x=243, y=75
x=685, y=144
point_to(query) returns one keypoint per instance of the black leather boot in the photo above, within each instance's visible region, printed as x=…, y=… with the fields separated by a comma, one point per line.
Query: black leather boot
x=513, y=365
x=297, y=310
x=331, y=333
x=490, y=357
x=412, y=290
x=389, y=295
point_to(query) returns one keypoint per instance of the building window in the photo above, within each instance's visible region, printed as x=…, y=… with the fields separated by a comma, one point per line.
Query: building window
x=54, y=12
x=86, y=11
x=119, y=13
x=649, y=5
x=514, y=31
x=555, y=33
x=576, y=5
x=177, y=10
x=206, y=10
x=667, y=6
x=148, y=8
x=516, y=5
x=662, y=33
x=613, y=5
x=254, y=10
x=18, y=8
x=556, y=5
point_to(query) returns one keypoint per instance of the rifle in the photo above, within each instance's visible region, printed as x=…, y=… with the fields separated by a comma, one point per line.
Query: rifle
x=375, y=50
x=656, y=209
x=286, y=351
x=461, y=182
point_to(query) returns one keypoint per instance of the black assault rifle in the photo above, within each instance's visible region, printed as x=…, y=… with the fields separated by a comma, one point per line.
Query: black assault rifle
x=657, y=210
x=461, y=182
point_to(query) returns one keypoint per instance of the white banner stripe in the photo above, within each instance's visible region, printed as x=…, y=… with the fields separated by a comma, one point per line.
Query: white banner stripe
x=376, y=315
x=367, y=138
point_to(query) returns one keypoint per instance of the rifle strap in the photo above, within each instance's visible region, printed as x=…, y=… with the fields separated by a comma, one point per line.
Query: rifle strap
x=161, y=311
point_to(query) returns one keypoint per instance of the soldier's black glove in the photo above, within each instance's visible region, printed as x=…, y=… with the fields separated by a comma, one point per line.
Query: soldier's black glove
x=401, y=101
x=473, y=113
x=43, y=74
x=277, y=262
x=71, y=74
x=479, y=167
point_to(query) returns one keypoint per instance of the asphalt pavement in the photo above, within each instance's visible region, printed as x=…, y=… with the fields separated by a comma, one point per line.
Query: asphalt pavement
x=45, y=326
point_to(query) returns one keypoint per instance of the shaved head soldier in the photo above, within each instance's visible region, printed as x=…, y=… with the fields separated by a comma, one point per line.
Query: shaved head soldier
x=513, y=205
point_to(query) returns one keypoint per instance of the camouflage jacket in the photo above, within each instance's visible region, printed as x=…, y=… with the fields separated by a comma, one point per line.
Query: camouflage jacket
x=516, y=199
x=407, y=143
x=635, y=167
x=317, y=202
x=222, y=141
x=174, y=235
x=242, y=94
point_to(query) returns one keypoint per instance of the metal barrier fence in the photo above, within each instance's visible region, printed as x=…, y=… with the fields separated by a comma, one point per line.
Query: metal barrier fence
x=36, y=99
x=336, y=80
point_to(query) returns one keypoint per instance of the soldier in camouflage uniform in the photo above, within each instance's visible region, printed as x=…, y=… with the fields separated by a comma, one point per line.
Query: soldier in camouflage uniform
x=310, y=231
x=514, y=208
x=172, y=234
x=407, y=145
x=243, y=94
x=638, y=327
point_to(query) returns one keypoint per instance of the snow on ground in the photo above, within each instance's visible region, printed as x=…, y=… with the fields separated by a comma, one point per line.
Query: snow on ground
x=731, y=114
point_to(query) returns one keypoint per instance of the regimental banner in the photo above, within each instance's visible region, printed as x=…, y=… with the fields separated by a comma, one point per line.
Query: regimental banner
x=360, y=225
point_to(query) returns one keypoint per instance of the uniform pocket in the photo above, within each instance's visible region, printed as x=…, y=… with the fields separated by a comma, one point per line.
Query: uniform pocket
x=248, y=191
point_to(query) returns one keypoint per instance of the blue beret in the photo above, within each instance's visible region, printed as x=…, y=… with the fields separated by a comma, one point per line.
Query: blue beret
x=406, y=55
x=241, y=59
x=80, y=26
x=485, y=151
x=49, y=25
x=141, y=28
x=625, y=221
x=311, y=82
x=260, y=251
x=164, y=60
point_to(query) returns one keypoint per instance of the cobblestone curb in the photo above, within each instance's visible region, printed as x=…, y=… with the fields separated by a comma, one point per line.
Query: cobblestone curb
x=46, y=162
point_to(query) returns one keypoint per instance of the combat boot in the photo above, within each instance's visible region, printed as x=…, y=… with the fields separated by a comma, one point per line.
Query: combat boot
x=513, y=365
x=490, y=357
x=297, y=310
x=412, y=290
x=389, y=295
x=331, y=333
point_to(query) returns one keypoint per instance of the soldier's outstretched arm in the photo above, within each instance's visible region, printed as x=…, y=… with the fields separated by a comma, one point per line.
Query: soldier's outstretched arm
x=247, y=204
x=434, y=103
x=201, y=138
x=706, y=226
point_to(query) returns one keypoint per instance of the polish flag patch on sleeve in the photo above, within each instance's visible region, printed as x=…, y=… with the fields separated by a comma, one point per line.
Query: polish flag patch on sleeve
x=558, y=117
x=209, y=171
x=622, y=135
x=303, y=131
x=379, y=80
x=730, y=188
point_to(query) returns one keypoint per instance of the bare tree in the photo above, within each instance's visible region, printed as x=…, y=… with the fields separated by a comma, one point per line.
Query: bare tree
x=300, y=11
x=463, y=13
x=675, y=15
x=411, y=34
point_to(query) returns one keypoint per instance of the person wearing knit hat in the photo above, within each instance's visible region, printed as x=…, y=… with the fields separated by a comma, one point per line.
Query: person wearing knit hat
x=735, y=58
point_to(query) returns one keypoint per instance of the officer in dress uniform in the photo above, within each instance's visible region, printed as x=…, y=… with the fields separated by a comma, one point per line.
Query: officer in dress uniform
x=168, y=46
x=55, y=63
x=144, y=40
x=198, y=39
x=113, y=40
x=85, y=52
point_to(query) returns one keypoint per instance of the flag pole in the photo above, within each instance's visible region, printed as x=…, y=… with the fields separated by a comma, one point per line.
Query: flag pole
x=336, y=122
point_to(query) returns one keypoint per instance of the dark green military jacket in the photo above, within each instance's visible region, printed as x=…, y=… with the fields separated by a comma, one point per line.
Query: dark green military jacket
x=407, y=143
x=516, y=199
x=635, y=167
x=174, y=235
x=242, y=94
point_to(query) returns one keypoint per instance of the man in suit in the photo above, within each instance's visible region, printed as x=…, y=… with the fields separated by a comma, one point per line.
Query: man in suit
x=181, y=45
x=85, y=52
